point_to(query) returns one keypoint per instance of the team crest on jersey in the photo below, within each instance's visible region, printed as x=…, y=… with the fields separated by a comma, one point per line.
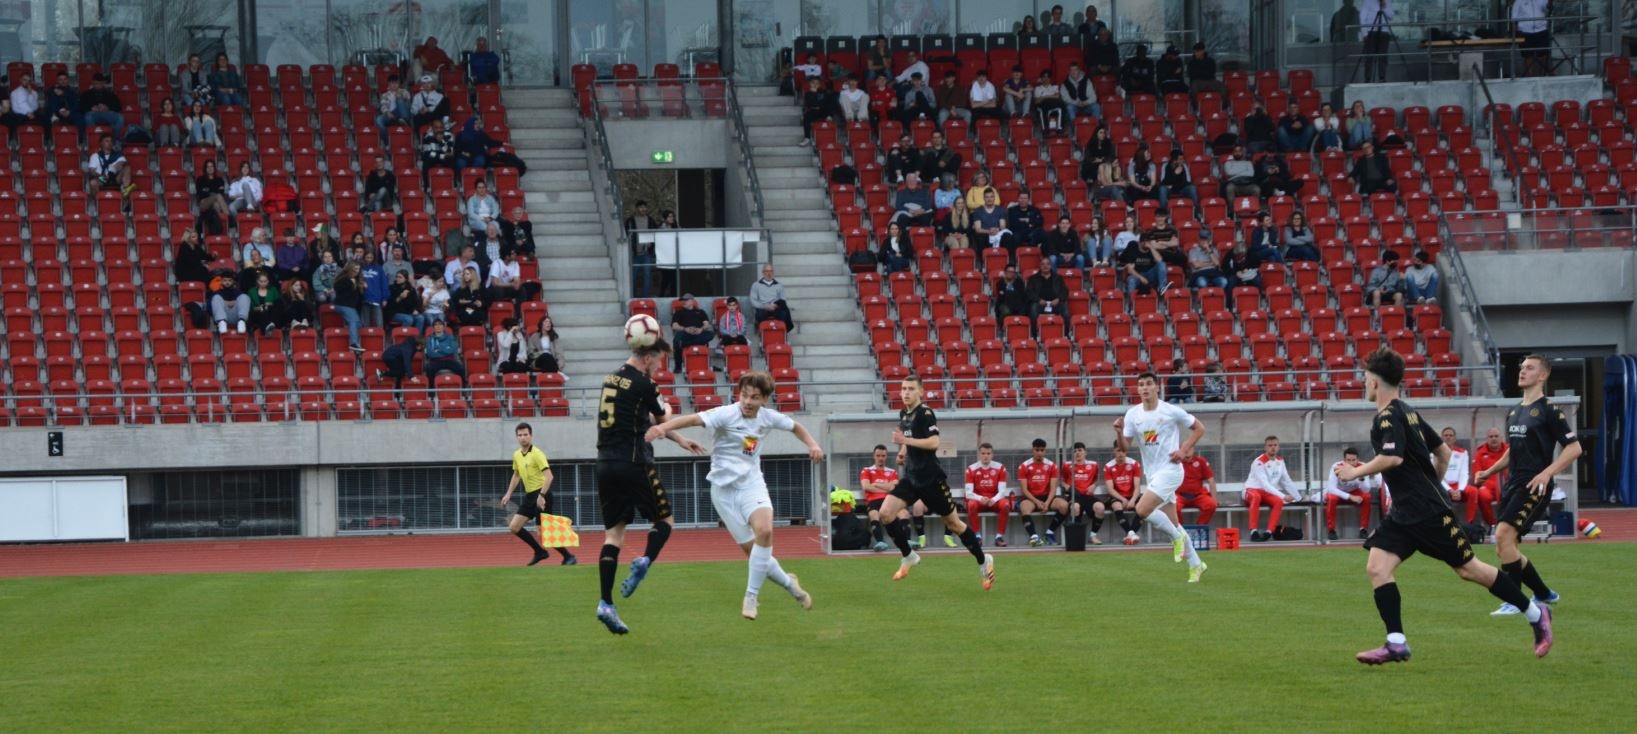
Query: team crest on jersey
x=1150, y=437
x=750, y=444
x=1534, y=412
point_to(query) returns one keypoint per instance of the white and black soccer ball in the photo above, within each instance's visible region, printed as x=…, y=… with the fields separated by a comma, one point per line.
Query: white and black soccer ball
x=641, y=331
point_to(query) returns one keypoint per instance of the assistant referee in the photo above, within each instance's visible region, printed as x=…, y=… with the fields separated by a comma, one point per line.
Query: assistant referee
x=533, y=471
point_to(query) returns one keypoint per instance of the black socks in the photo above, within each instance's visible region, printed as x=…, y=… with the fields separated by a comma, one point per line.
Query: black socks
x=657, y=535
x=970, y=540
x=1388, y=604
x=900, y=536
x=1524, y=574
x=1508, y=590
x=876, y=531
x=528, y=537
x=608, y=562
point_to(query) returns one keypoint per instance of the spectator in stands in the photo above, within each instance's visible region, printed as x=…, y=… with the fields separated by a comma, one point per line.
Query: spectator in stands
x=1216, y=384
x=511, y=348
x=1167, y=242
x=1057, y=25
x=1171, y=73
x=1239, y=175
x=543, y=350
x=428, y=104
x=1011, y=294
x=324, y=277
x=1202, y=71
x=377, y=289
x=62, y=103
x=955, y=226
x=226, y=83
x=1062, y=246
x=483, y=65
x=260, y=243
x=403, y=306
x=906, y=76
x=730, y=326
x=912, y=203
x=429, y=59
x=1373, y=171
x=952, y=99
x=298, y=306
x=1269, y=482
x=918, y=102
x=896, y=250
x=1535, y=26
x=1142, y=267
x=1017, y=93
x=1256, y=132
x=257, y=268
x=989, y=223
x=437, y=150
x=399, y=359
x=767, y=297
x=1079, y=96
x=1359, y=128
x=192, y=261
x=1048, y=104
x=1130, y=234
x=985, y=99
x=1179, y=386
x=265, y=308
x=109, y=169
x=853, y=101
x=817, y=104
x=1421, y=279
x=1024, y=219
x=452, y=273
x=690, y=326
x=434, y=299
x=228, y=303
x=1029, y=26
x=1143, y=177
x=1103, y=54
x=1099, y=243
x=1176, y=180
x=1091, y=27
x=1205, y=266
x=194, y=82
x=506, y=279
x=1048, y=294
x=1327, y=128
x=642, y=253
x=1273, y=177
x=902, y=160
x=473, y=146
x=517, y=233
x=245, y=193
x=1384, y=283
x=1137, y=73
x=1198, y=489
x=393, y=108
x=481, y=209
x=396, y=263
x=883, y=101
x=1109, y=182
x=1264, y=239
x=1244, y=266
x=945, y=196
x=812, y=69
x=470, y=303
x=877, y=59
x=167, y=125
x=380, y=187
x=443, y=353
x=979, y=191
x=201, y=127
x=290, y=258
x=1295, y=133
x=1356, y=491
x=25, y=105
x=324, y=240
x=1299, y=239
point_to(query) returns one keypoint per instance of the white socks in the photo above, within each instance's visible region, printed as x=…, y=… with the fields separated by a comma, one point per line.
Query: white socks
x=764, y=566
x=1160, y=521
x=1396, y=638
x=1533, y=612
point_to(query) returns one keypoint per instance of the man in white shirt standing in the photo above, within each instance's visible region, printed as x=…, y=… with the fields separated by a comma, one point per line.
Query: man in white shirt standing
x=1269, y=482
x=1356, y=491
x=1534, y=24
x=1158, y=426
x=738, y=490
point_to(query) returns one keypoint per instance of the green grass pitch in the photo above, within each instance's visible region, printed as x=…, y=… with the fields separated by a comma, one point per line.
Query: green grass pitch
x=1115, y=641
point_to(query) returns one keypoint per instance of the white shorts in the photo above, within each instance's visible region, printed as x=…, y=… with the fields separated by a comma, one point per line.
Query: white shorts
x=735, y=504
x=1164, y=483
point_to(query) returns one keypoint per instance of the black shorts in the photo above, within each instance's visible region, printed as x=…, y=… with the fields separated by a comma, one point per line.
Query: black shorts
x=1522, y=509
x=874, y=505
x=1041, y=500
x=529, y=506
x=625, y=489
x=1439, y=536
x=936, y=496
x=1536, y=44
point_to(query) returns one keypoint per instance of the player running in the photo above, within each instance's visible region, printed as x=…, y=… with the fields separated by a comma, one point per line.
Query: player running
x=1421, y=518
x=986, y=490
x=1158, y=425
x=1533, y=428
x=530, y=468
x=917, y=439
x=1037, y=477
x=627, y=479
x=738, y=489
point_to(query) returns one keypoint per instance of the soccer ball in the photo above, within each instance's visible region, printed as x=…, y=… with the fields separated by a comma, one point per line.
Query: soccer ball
x=641, y=331
x=1589, y=528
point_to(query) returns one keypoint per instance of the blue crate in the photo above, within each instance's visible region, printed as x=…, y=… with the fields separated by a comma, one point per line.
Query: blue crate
x=1200, y=535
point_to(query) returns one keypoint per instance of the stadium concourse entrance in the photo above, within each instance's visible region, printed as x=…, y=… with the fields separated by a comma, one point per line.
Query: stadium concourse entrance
x=1313, y=435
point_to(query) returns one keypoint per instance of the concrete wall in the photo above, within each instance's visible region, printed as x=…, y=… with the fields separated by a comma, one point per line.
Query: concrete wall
x=1547, y=299
x=1470, y=96
x=696, y=143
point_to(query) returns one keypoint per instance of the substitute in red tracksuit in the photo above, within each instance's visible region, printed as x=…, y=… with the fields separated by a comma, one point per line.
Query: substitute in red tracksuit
x=1356, y=491
x=986, y=491
x=1037, y=483
x=1080, y=475
x=1198, y=488
x=877, y=480
x=1123, y=477
x=1485, y=496
x=1269, y=482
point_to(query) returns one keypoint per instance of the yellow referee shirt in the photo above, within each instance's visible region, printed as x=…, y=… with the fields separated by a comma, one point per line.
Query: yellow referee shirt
x=531, y=468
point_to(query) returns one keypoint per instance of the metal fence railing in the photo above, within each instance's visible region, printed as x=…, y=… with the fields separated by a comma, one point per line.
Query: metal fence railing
x=1412, y=53
x=1553, y=228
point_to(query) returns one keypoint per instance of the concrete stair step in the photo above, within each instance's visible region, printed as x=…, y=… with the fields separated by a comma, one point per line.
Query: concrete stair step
x=826, y=332
x=788, y=149
x=807, y=248
x=526, y=135
x=820, y=293
x=604, y=312
x=547, y=158
x=827, y=311
x=785, y=161
x=576, y=287
x=544, y=199
x=562, y=217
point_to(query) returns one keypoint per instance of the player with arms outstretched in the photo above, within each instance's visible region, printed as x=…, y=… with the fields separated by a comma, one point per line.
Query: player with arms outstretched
x=738, y=489
x=627, y=478
x=1534, y=429
x=924, y=480
x=1421, y=519
x=1158, y=425
x=530, y=469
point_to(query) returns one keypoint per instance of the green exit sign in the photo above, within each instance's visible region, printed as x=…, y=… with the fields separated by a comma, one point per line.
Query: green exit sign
x=664, y=156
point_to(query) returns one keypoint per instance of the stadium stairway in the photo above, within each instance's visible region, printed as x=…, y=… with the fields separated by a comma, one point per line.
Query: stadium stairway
x=576, y=272
x=829, y=344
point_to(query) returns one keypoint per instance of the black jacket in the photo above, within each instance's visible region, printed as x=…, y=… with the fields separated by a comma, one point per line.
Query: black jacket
x=1014, y=297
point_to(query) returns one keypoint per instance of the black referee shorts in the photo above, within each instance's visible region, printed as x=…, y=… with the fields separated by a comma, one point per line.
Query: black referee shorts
x=529, y=506
x=625, y=489
x=1439, y=536
x=1536, y=45
x=1521, y=508
x=936, y=496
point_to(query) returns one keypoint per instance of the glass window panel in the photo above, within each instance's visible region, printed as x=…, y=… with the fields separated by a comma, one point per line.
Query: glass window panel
x=915, y=17
x=527, y=30
x=683, y=32
x=371, y=32
x=989, y=16
x=1156, y=22
x=294, y=31
x=839, y=17
x=760, y=28
x=606, y=33
x=1224, y=27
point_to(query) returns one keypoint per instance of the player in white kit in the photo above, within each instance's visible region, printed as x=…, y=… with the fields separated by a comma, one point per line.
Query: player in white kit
x=737, y=488
x=1158, y=426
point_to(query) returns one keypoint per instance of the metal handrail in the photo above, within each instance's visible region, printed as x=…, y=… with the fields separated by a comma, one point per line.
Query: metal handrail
x=1512, y=166
x=1500, y=229
x=617, y=199
x=748, y=159
x=1575, y=54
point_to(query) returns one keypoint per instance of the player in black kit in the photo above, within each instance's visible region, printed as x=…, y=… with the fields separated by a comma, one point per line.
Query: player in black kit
x=1534, y=429
x=627, y=479
x=924, y=480
x=1421, y=518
